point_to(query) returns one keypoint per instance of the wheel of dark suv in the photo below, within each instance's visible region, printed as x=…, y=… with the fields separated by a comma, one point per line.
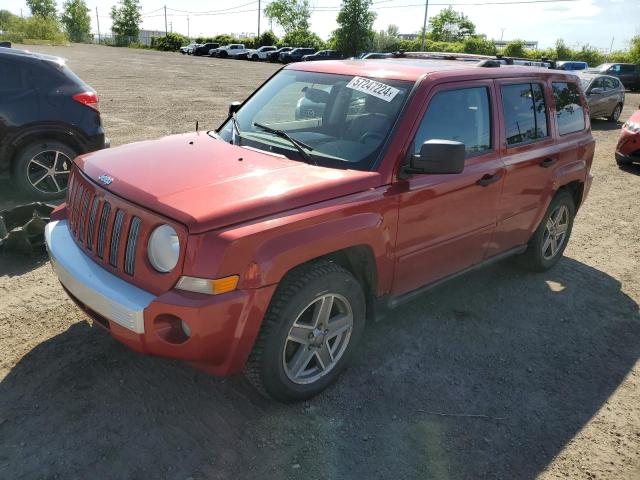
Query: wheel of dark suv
x=223, y=54
x=41, y=169
x=547, y=244
x=308, y=336
x=615, y=115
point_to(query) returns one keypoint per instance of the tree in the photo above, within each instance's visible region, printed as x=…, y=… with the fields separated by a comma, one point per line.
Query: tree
x=515, y=49
x=291, y=15
x=76, y=20
x=562, y=51
x=126, y=20
x=43, y=8
x=303, y=38
x=267, y=38
x=386, y=40
x=355, y=32
x=634, y=50
x=7, y=20
x=479, y=46
x=451, y=26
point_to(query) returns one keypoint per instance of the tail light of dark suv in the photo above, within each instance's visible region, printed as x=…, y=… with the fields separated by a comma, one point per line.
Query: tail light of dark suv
x=90, y=99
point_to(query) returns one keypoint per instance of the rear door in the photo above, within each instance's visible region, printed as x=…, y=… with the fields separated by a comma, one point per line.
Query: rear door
x=530, y=156
x=597, y=101
x=18, y=99
x=445, y=221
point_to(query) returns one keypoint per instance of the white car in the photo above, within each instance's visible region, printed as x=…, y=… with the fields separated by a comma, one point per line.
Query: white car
x=231, y=50
x=259, y=53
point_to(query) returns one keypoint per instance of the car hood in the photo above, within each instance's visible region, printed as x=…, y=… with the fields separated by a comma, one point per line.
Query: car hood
x=206, y=183
x=635, y=117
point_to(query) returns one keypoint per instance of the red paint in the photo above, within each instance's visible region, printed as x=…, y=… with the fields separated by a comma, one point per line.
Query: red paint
x=264, y=215
x=629, y=142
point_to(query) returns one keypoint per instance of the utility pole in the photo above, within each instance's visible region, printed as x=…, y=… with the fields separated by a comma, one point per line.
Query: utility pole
x=188, y=30
x=611, y=47
x=259, y=14
x=171, y=27
x=98, y=22
x=166, y=30
x=21, y=14
x=424, y=25
x=502, y=33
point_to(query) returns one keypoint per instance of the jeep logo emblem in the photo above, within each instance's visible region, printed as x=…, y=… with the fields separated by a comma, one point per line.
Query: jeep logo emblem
x=106, y=179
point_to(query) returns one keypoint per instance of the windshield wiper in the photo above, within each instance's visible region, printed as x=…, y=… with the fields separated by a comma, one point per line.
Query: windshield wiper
x=236, y=129
x=300, y=146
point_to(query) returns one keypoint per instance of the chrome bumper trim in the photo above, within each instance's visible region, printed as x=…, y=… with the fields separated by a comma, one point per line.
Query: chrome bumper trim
x=101, y=291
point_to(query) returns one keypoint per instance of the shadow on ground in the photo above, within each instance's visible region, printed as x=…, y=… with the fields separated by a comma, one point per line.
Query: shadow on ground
x=537, y=355
x=598, y=124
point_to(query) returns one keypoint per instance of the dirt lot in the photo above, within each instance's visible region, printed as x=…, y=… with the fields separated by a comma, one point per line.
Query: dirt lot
x=539, y=372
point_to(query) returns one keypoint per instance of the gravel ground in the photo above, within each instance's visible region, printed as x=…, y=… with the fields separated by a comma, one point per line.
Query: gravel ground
x=501, y=374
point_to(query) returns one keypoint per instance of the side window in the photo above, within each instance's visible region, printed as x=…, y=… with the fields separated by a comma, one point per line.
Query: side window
x=609, y=83
x=10, y=77
x=461, y=115
x=598, y=83
x=615, y=83
x=615, y=69
x=569, y=111
x=525, y=113
x=627, y=68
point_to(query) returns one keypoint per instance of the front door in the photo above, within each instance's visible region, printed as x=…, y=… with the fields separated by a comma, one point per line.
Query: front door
x=445, y=221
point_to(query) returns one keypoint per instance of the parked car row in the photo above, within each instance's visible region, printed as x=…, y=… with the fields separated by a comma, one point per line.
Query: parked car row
x=269, y=53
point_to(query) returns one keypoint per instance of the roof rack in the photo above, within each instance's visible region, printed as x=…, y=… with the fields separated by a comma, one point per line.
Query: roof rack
x=490, y=61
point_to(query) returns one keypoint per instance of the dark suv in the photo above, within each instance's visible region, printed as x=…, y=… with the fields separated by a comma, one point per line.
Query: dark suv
x=47, y=117
x=204, y=49
x=628, y=73
x=296, y=55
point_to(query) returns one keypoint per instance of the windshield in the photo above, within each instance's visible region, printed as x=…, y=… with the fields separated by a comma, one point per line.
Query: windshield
x=585, y=82
x=342, y=121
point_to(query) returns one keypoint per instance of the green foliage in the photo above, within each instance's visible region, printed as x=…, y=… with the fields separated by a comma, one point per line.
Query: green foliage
x=590, y=55
x=36, y=28
x=224, y=39
x=355, y=27
x=267, y=38
x=515, y=49
x=43, y=8
x=562, y=51
x=479, y=46
x=126, y=21
x=303, y=38
x=386, y=40
x=291, y=15
x=7, y=20
x=169, y=43
x=634, y=50
x=451, y=26
x=76, y=20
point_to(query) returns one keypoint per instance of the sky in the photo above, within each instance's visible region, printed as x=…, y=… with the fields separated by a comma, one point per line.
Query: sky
x=600, y=23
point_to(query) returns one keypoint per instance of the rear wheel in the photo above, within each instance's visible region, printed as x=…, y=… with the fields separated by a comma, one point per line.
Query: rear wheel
x=42, y=169
x=547, y=244
x=223, y=54
x=309, y=334
x=615, y=115
x=254, y=58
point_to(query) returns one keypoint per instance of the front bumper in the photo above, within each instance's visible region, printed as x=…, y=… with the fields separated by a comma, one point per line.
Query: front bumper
x=222, y=329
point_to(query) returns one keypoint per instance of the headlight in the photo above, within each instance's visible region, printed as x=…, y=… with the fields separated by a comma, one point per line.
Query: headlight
x=164, y=248
x=632, y=127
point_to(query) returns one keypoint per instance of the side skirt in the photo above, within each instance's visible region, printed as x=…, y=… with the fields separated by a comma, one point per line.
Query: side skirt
x=384, y=305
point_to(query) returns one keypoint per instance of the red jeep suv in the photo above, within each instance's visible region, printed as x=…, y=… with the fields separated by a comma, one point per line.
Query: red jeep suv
x=263, y=246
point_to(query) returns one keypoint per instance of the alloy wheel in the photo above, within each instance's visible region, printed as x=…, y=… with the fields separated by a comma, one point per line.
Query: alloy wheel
x=555, y=232
x=48, y=171
x=616, y=113
x=318, y=338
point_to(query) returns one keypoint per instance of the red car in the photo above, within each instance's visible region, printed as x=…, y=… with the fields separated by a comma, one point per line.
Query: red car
x=272, y=240
x=628, y=148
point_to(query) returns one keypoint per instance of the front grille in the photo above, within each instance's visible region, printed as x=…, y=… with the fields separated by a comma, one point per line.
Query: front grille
x=99, y=227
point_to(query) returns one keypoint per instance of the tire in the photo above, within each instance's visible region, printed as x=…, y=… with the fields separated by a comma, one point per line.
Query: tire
x=33, y=169
x=254, y=58
x=615, y=115
x=316, y=286
x=540, y=254
x=223, y=54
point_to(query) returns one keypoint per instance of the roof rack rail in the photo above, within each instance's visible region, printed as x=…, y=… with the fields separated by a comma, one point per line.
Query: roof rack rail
x=490, y=61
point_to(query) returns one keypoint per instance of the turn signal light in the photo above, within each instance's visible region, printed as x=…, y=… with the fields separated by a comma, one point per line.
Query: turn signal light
x=208, y=286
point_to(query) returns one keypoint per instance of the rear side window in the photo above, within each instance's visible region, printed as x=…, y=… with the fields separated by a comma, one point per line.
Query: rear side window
x=525, y=113
x=10, y=77
x=627, y=68
x=461, y=115
x=569, y=111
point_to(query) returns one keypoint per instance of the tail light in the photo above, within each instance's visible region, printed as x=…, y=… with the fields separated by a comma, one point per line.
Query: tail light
x=90, y=99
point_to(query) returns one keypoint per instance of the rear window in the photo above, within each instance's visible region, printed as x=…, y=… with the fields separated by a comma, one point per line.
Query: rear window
x=525, y=113
x=569, y=111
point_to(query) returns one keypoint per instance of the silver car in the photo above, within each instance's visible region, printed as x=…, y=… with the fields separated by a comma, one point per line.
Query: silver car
x=605, y=95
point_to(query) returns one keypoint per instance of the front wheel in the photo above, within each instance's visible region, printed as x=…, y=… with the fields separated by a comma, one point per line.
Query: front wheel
x=309, y=334
x=547, y=244
x=42, y=169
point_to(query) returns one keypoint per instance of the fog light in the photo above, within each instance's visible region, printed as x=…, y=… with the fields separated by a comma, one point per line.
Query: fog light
x=171, y=329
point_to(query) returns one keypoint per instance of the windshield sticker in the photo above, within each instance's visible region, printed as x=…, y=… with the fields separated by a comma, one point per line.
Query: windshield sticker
x=371, y=87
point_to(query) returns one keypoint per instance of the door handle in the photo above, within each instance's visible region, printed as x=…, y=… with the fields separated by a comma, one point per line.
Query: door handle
x=488, y=179
x=547, y=162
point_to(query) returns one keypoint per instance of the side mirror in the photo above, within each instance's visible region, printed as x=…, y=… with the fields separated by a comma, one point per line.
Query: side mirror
x=438, y=156
x=596, y=91
x=234, y=107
